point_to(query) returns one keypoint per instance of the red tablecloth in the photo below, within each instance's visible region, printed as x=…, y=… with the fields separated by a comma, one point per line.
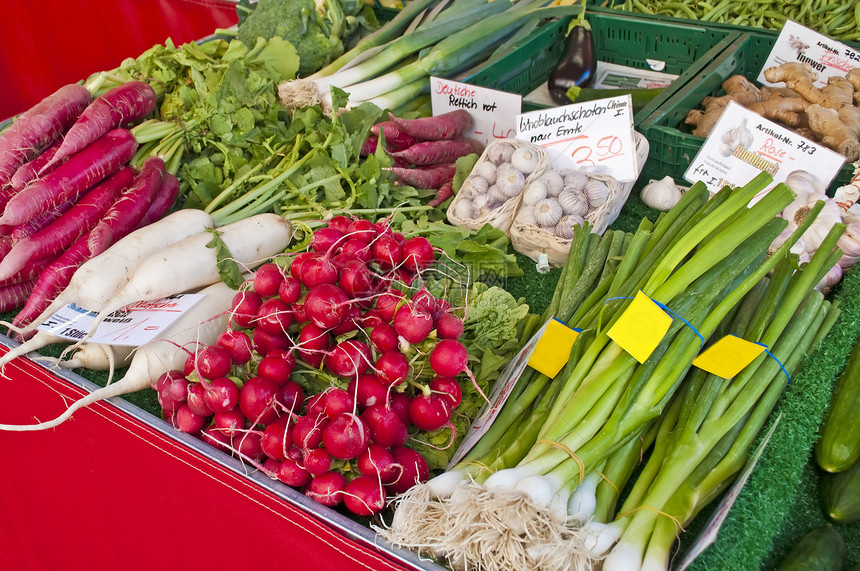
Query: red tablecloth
x=48, y=43
x=108, y=491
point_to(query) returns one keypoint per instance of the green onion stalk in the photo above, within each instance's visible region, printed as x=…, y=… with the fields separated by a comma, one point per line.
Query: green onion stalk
x=699, y=260
x=390, y=71
x=709, y=442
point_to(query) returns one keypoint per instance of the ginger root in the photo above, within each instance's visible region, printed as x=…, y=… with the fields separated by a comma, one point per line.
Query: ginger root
x=829, y=115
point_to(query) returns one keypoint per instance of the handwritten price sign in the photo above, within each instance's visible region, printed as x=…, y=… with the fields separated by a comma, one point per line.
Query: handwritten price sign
x=493, y=112
x=596, y=136
x=743, y=143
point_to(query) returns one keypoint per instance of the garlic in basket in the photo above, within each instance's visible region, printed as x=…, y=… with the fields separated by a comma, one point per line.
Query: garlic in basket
x=564, y=228
x=524, y=159
x=509, y=180
x=573, y=201
x=548, y=212
x=661, y=194
x=534, y=193
x=553, y=181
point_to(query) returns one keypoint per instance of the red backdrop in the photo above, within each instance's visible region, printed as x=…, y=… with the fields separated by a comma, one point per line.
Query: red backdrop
x=107, y=491
x=48, y=43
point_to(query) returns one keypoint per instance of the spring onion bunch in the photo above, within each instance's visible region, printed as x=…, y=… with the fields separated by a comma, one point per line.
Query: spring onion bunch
x=560, y=450
x=449, y=38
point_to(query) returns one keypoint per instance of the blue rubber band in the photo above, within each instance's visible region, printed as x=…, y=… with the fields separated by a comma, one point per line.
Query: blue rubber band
x=772, y=356
x=666, y=309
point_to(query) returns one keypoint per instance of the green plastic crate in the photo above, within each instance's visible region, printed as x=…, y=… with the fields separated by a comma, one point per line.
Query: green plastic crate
x=672, y=146
x=618, y=38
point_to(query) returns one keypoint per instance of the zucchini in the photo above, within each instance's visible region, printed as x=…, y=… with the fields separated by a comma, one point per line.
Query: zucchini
x=840, y=495
x=823, y=549
x=839, y=445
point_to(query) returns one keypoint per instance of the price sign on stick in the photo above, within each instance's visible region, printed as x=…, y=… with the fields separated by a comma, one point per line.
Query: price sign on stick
x=132, y=325
x=493, y=112
x=743, y=143
x=595, y=136
x=797, y=43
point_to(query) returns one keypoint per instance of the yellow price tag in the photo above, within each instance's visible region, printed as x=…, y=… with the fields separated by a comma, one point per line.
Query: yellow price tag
x=728, y=356
x=641, y=327
x=553, y=348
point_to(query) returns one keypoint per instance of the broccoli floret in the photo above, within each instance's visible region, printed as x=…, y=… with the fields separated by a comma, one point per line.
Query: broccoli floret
x=298, y=22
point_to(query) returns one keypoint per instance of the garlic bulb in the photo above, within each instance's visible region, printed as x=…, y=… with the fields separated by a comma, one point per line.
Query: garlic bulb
x=474, y=185
x=596, y=192
x=524, y=159
x=575, y=179
x=485, y=170
x=497, y=195
x=804, y=183
x=481, y=205
x=500, y=152
x=510, y=180
x=534, y=193
x=526, y=215
x=849, y=243
x=797, y=211
x=553, y=181
x=573, y=202
x=830, y=279
x=661, y=194
x=548, y=212
x=564, y=228
x=463, y=209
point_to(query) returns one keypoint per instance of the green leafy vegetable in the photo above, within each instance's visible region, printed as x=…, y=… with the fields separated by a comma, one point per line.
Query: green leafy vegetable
x=227, y=266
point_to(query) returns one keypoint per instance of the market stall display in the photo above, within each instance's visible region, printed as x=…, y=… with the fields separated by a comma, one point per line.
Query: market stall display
x=443, y=346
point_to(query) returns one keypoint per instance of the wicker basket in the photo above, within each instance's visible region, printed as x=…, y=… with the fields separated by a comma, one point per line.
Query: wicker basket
x=532, y=241
x=502, y=216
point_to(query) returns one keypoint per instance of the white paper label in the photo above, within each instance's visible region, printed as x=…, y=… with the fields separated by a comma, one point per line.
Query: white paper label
x=498, y=395
x=743, y=144
x=614, y=76
x=709, y=535
x=493, y=112
x=132, y=325
x=826, y=56
x=595, y=136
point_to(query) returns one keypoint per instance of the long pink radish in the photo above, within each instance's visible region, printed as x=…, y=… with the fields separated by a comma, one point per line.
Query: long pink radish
x=31, y=270
x=435, y=152
x=72, y=178
x=202, y=323
x=433, y=176
x=118, y=222
x=449, y=125
x=78, y=220
x=54, y=279
x=39, y=126
x=191, y=263
x=31, y=171
x=121, y=106
x=163, y=201
x=13, y=296
x=123, y=216
x=99, y=279
x=39, y=221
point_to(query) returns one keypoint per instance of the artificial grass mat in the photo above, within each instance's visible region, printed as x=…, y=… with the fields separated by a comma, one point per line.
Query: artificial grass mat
x=779, y=504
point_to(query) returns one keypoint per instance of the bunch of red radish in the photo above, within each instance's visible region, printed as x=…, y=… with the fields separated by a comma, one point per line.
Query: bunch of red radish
x=329, y=368
x=425, y=150
x=66, y=192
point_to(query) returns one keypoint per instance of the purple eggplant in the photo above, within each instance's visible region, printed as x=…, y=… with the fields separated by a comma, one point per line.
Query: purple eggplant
x=577, y=65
